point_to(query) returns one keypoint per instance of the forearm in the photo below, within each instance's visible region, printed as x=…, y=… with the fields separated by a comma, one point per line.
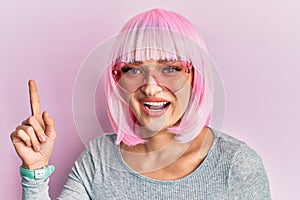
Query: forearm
x=35, y=189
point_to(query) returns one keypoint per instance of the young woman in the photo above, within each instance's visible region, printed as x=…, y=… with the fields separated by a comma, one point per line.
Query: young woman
x=159, y=101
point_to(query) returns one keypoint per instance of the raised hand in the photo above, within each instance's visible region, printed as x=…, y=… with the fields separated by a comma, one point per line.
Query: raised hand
x=34, y=138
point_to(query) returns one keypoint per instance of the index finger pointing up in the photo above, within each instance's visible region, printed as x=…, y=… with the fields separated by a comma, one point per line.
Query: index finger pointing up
x=34, y=98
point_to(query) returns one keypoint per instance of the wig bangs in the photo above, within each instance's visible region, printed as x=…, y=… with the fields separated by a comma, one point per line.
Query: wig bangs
x=152, y=44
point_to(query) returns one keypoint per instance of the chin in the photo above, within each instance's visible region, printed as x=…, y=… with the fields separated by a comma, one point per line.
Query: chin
x=153, y=124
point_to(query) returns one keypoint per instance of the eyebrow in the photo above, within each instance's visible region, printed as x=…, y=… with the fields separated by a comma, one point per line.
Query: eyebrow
x=166, y=60
x=134, y=62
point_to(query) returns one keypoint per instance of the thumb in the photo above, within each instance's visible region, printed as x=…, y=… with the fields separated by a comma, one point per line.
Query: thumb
x=49, y=125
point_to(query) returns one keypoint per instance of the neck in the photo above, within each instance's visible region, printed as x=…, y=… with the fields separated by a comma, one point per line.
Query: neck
x=155, y=141
x=159, y=151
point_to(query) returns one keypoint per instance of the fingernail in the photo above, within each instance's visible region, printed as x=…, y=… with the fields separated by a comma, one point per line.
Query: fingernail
x=37, y=148
x=42, y=138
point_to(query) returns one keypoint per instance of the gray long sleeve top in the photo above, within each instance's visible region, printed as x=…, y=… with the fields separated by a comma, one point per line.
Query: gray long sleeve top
x=231, y=170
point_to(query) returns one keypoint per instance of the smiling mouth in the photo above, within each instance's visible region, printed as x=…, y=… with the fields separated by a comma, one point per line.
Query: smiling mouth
x=156, y=106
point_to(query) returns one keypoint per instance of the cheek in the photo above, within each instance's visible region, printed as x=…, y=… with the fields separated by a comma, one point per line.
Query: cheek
x=183, y=98
x=135, y=108
x=132, y=103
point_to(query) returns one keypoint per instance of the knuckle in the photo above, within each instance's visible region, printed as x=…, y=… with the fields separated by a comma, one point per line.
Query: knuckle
x=29, y=130
x=15, y=136
x=18, y=127
x=31, y=119
x=18, y=133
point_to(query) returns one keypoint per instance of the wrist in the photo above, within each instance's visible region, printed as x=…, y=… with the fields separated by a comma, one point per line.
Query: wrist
x=36, y=166
x=37, y=174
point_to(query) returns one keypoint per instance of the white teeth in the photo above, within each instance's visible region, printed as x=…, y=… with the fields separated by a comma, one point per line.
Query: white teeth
x=155, y=103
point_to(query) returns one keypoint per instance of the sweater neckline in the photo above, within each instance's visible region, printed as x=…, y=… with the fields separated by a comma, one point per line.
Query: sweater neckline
x=204, y=170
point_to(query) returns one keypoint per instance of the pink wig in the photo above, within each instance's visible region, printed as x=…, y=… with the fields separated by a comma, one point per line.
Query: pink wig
x=160, y=35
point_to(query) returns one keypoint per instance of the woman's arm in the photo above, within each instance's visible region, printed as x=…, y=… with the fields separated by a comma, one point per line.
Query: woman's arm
x=34, y=141
x=77, y=187
x=81, y=179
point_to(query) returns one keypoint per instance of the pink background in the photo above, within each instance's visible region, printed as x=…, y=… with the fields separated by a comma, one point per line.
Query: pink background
x=255, y=44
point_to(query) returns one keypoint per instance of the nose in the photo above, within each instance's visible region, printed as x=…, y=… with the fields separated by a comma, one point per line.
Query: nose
x=151, y=88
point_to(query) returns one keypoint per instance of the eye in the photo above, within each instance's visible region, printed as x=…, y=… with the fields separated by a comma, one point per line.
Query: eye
x=131, y=70
x=171, y=69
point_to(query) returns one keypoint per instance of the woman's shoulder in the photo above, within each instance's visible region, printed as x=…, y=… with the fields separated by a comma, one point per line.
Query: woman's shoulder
x=230, y=146
x=246, y=172
x=227, y=141
x=100, y=148
x=102, y=142
x=238, y=152
x=226, y=138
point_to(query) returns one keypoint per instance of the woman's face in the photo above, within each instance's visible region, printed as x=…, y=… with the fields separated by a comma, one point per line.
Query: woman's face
x=158, y=92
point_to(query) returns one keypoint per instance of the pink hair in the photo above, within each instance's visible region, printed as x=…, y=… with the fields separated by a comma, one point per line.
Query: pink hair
x=160, y=34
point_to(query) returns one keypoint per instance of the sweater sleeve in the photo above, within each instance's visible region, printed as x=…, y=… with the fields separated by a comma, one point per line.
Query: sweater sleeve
x=80, y=180
x=247, y=177
x=35, y=189
x=79, y=185
x=76, y=187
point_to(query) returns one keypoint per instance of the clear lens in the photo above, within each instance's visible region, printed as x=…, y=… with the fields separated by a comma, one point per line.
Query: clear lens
x=172, y=75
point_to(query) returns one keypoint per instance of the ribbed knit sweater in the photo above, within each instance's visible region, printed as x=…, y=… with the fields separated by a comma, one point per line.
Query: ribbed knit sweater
x=231, y=170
